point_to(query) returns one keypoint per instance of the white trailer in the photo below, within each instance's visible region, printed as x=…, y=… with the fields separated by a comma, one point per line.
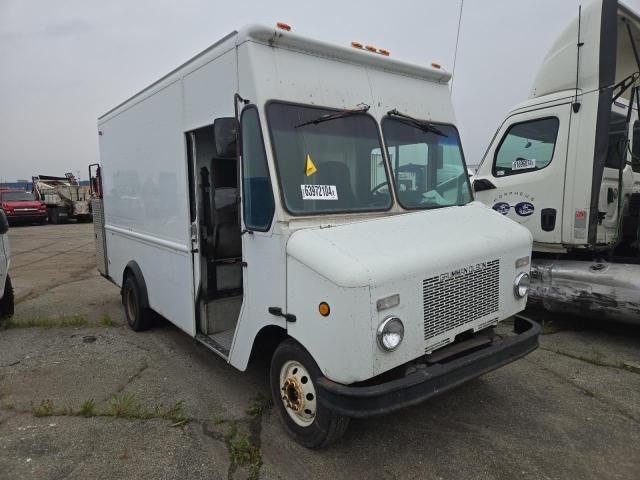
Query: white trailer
x=566, y=165
x=375, y=293
x=6, y=289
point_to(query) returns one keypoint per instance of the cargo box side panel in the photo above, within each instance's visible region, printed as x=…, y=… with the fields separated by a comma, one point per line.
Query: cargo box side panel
x=146, y=204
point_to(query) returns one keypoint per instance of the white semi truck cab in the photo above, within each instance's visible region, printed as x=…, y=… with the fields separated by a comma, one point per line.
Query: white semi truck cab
x=6, y=289
x=566, y=164
x=278, y=190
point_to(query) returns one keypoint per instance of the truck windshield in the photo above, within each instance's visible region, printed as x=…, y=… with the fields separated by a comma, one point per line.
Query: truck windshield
x=16, y=196
x=329, y=166
x=428, y=166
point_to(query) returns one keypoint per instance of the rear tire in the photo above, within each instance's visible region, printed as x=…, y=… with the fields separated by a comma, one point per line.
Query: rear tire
x=138, y=317
x=7, y=301
x=293, y=377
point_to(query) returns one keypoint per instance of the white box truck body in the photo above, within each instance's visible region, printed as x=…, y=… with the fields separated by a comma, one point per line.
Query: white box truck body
x=301, y=235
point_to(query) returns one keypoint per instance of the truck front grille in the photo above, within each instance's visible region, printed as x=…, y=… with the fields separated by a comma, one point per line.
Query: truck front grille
x=460, y=297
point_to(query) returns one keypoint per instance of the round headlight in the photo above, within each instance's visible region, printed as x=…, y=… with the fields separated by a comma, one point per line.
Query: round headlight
x=521, y=285
x=390, y=333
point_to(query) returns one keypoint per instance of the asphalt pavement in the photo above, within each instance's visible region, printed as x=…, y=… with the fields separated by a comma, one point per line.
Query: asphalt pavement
x=82, y=396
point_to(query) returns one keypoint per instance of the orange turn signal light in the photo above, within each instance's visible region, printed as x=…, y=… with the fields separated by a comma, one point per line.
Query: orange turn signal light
x=324, y=309
x=436, y=65
x=283, y=26
x=371, y=48
x=357, y=45
x=384, y=52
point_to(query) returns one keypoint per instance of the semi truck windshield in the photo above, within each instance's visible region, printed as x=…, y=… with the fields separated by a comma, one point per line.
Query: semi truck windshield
x=329, y=166
x=427, y=166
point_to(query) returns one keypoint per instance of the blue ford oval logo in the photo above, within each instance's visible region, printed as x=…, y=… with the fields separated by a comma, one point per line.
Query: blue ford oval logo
x=524, y=209
x=502, y=207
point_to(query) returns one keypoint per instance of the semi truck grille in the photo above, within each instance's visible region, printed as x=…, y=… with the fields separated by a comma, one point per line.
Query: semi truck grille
x=456, y=298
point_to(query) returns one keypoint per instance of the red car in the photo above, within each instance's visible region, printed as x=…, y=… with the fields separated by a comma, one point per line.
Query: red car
x=20, y=206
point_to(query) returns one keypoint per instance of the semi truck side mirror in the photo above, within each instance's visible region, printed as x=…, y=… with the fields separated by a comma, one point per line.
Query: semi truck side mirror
x=4, y=223
x=225, y=132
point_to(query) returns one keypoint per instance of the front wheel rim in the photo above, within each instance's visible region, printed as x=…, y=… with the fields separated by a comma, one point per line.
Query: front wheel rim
x=131, y=305
x=298, y=394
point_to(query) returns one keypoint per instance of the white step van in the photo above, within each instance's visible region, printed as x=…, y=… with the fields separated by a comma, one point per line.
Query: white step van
x=340, y=228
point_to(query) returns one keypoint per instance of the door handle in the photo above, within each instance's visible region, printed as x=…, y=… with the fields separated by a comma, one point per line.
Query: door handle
x=482, y=184
x=277, y=311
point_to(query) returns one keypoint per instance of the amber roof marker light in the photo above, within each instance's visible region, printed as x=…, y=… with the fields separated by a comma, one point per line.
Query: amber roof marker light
x=283, y=26
x=370, y=48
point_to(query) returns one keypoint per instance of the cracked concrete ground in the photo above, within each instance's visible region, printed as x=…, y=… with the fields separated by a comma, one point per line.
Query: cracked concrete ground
x=569, y=410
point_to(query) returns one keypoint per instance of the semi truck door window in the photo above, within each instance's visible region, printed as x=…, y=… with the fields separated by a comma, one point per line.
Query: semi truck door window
x=526, y=147
x=257, y=202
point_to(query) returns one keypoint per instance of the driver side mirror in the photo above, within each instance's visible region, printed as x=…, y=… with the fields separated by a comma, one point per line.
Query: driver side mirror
x=4, y=223
x=225, y=133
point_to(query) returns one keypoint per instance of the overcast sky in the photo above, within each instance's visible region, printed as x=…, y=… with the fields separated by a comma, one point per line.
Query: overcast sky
x=65, y=62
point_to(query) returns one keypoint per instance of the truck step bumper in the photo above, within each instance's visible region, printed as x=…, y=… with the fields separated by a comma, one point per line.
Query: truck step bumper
x=424, y=383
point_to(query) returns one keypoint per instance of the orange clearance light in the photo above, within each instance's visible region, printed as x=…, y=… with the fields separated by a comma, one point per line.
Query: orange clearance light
x=283, y=26
x=371, y=48
x=324, y=309
x=436, y=65
x=384, y=52
x=357, y=45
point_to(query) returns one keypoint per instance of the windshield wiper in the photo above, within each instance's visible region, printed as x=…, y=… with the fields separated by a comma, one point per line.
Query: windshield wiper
x=333, y=116
x=414, y=122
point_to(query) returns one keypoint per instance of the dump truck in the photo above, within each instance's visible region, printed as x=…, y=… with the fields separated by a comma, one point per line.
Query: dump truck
x=64, y=198
x=282, y=194
x=566, y=165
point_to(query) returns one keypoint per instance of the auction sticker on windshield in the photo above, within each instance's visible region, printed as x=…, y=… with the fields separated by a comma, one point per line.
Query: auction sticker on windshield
x=319, y=192
x=523, y=164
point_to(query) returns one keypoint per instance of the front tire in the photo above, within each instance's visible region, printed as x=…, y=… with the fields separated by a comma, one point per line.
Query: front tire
x=293, y=377
x=138, y=317
x=7, y=300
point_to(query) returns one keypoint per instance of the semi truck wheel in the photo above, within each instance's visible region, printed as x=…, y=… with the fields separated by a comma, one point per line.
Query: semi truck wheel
x=7, y=300
x=292, y=377
x=138, y=317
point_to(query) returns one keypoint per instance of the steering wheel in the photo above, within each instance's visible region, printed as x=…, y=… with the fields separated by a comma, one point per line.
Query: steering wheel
x=375, y=190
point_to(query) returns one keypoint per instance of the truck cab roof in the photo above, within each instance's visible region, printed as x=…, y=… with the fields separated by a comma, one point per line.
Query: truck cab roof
x=602, y=28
